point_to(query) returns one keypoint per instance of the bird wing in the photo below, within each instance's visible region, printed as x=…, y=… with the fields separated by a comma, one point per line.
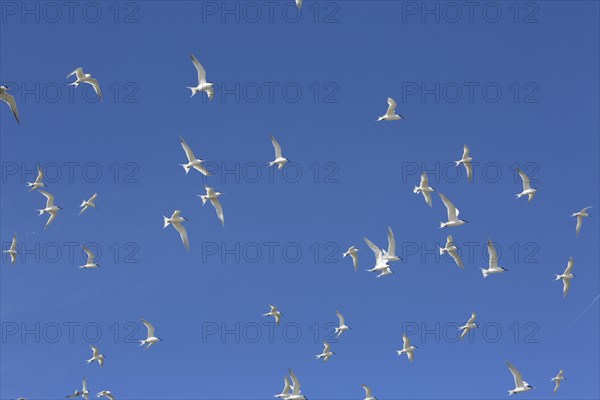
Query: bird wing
x=219, y=209
x=341, y=317
x=13, y=245
x=391, y=106
x=391, y=243
x=95, y=85
x=84, y=385
x=493, y=261
x=188, y=150
x=52, y=218
x=525, y=178
x=78, y=72
x=368, y=393
x=183, y=233
x=94, y=196
x=424, y=179
x=472, y=319
x=452, y=211
x=326, y=348
x=465, y=152
x=277, y=147
x=556, y=385
x=579, y=223
x=95, y=351
x=456, y=258
x=405, y=341
x=90, y=255
x=427, y=197
x=566, y=286
x=569, y=266
x=10, y=100
x=469, y=169
x=374, y=248
x=49, y=197
x=200, y=69
x=295, y=383
x=449, y=241
x=150, y=328
x=40, y=175
x=354, y=260
x=286, y=385
x=516, y=375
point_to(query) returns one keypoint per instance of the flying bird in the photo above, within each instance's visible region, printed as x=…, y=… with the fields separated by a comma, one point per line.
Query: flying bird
x=83, y=393
x=85, y=78
x=177, y=221
x=558, y=379
x=368, y=393
x=193, y=162
x=10, y=100
x=274, y=313
x=327, y=353
x=390, y=114
x=343, y=327
x=12, y=251
x=424, y=188
x=106, y=393
x=493, y=267
x=96, y=356
x=90, y=263
x=85, y=204
x=566, y=277
x=385, y=271
x=353, y=253
x=214, y=199
x=380, y=262
x=527, y=189
x=471, y=324
x=406, y=348
x=279, y=160
x=203, y=85
x=452, y=214
x=451, y=249
x=286, y=389
x=466, y=161
x=296, y=394
x=580, y=215
x=150, y=339
x=38, y=180
x=520, y=384
x=50, y=208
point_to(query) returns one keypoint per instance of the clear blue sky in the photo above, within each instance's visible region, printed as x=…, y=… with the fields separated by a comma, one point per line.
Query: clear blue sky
x=528, y=81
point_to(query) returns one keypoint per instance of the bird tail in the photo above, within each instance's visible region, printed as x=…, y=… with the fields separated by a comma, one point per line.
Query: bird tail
x=166, y=222
x=484, y=272
x=40, y=212
x=519, y=195
x=193, y=89
x=416, y=189
x=441, y=251
x=204, y=199
x=457, y=163
x=82, y=203
x=380, y=118
x=442, y=224
x=186, y=168
x=557, y=277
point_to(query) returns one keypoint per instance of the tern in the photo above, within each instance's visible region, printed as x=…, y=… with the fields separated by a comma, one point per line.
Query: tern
x=406, y=348
x=85, y=78
x=150, y=339
x=85, y=204
x=90, y=259
x=10, y=100
x=471, y=324
x=557, y=379
x=380, y=262
x=279, y=160
x=214, y=199
x=203, y=85
x=177, y=221
x=493, y=267
x=50, y=208
x=106, y=393
x=424, y=188
x=385, y=271
x=327, y=353
x=193, y=162
x=343, y=327
x=466, y=161
x=38, y=180
x=274, y=313
x=566, y=277
x=368, y=393
x=520, y=384
x=527, y=189
x=353, y=252
x=81, y=393
x=451, y=249
x=96, y=356
x=12, y=251
x=296, y=394
x=452, y=214
x=286, y=389
x=580, y=215
x=390, y=114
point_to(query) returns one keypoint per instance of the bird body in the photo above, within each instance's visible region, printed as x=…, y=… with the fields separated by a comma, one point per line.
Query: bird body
x=177, y=221
x=424, y=188
x=275, y=313
x=580, y=215
x=493, y=267
x=214, y=199
x=407, y=348
x=96, y=356
x=50, y=208
x=390, y=114
x=353, y=253
x=566, y=277
x=466, y=161
x=452, y=250
x=150, y=338
x=453, y=213
x=520, y=385
x=12, y=250
x=527, y=189
x=85, y=204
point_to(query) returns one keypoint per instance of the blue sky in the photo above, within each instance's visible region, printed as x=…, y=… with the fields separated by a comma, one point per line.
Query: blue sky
x=519, y=87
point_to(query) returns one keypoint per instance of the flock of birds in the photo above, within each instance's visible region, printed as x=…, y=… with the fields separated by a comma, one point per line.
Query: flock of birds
x=383, y=257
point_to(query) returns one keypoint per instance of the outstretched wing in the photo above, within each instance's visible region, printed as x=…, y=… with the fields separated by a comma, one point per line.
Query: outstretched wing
x=391, y=106
x=277, y=147
x=200, y=69
x=188, y=150
x=10, y=100
x=150, y=328
x=525, y=178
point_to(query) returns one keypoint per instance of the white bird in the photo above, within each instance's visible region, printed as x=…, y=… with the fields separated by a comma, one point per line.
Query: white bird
x=106, y=393
x=279, y=160
x=390, y=114
x=38, y=180
x=557, y=379
x=424, y=188
x=493, y=267
x=451, y=249
x=274, y=313
x=286, y=389
x=327, y=353
x=390, y=254
x=343, y=327
x=296, y=394
x=580, y=216
x=466, y=161
x=150, y=339
x=471, y=324
x=90, y=263
x=81, y=393
x=50, y=208
x=85, y=78
x=452, y=214
x=12, y=251
x=527, y=189
x=193, y=162
x=520, y=384
x=368, y=393
x=177, y=221
x=203, y=85
x=85, y=204
x=299, y=4
x=407, y=348
x=96, y=356
x=353, y=252
x=566, y=277
x=214, y=199
x=10, y=100
x=380, y=262
x=385, y=271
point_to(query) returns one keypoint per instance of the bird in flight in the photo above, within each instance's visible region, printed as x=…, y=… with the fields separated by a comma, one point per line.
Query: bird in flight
x=83, y=393
x=424, y=188
x=520, y=385
x=279, y=160
x=471, y=324
x=451, y=249
x=558, y=379
x=390, y=114
x=274, y=313
x=527, y=189
x=353, y=253
x=90, y=263
x=85, y=78
x=96, y=356
x=203, y=85
x=452, y=214
x=12, y=251
x=150, y=338
x=193, y=162
x=407, y=348
x=286, y=389
x=85, y=204
x=327, y=353
x=50, y=208
x=10, y=100
x=580, y=215
x=493, y=267
x=566, y=277
x=466, y=161
x=342, y=327
x=38, y=180
x=177, y=221
x=214, y=199
x=368, y=393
